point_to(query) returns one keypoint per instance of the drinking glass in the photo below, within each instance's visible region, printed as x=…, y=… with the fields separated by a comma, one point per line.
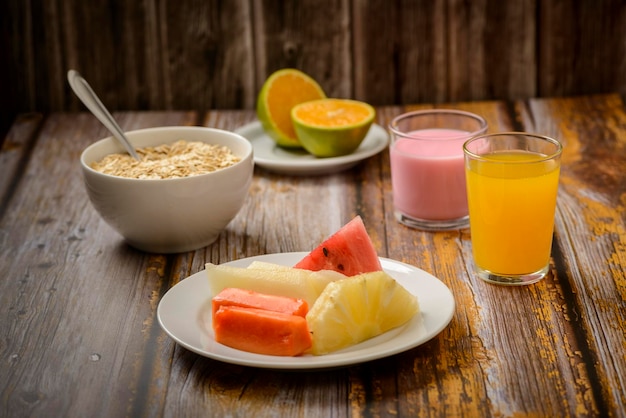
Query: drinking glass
x=427, y=170
x=512, y=184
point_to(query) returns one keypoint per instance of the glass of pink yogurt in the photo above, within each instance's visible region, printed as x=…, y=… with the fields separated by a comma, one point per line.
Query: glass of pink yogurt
x=427, y=167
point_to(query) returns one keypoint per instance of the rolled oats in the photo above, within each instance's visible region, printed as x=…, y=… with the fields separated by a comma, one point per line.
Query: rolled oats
x=167, y=161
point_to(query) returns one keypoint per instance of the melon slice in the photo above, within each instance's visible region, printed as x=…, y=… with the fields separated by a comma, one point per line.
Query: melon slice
x=349, y=251
x=278, y=280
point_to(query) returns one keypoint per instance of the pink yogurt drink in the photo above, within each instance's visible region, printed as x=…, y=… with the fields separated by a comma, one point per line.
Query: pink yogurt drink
x=428, y=169
x=428, y=174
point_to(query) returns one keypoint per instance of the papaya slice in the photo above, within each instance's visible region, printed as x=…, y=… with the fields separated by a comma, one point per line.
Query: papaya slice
x=249, y=299
x=260, y=331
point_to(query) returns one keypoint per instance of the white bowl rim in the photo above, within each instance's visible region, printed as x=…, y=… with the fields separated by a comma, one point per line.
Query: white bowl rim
x=247, y=155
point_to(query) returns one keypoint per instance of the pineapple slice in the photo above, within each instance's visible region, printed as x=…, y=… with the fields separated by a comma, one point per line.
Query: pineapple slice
x=361, y=307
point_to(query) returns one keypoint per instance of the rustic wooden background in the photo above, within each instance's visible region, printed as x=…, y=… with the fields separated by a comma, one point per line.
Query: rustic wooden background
x=204, y=54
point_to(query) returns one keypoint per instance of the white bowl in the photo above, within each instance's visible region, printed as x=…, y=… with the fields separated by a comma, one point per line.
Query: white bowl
x=170, y=215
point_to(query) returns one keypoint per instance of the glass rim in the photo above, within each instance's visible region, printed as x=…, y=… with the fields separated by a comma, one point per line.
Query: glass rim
x=454, y=112
x=479, y=157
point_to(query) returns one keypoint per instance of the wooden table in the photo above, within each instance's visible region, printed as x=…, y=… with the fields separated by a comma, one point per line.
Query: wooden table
x=79, y=335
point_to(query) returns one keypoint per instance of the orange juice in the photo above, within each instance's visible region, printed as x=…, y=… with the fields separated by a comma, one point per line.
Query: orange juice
x=512, y=200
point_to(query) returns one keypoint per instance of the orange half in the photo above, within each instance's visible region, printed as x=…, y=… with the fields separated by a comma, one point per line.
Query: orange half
x=283, y=90
x=332, y=127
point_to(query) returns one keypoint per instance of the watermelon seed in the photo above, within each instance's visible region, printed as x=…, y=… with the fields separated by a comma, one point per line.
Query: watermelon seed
x=325, y=251
x=340, y=267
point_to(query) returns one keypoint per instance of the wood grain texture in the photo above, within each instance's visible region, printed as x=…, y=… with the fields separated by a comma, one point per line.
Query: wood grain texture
x=201, y=55
x=15, y=150
x=592, y=222
x=78, y=307
x=56, y=295
x=574, y=40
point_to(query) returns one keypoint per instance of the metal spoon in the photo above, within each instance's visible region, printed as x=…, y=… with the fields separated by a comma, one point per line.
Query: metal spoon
x=93, y=103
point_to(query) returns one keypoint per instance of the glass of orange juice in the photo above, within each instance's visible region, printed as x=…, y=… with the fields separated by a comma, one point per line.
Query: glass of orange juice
x=512, y=182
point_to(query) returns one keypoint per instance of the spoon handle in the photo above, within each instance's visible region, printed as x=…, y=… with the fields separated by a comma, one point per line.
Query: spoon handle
x=83, y=90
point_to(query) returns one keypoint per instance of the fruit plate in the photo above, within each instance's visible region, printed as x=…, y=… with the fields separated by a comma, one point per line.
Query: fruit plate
x=184, y=313
x=298, y=162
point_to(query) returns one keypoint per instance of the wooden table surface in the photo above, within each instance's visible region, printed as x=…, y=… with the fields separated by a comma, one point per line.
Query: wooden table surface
x=79, y=335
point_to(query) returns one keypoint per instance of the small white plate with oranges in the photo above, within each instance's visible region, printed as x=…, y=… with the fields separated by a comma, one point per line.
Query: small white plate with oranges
x=270, y=156
x=301, y=131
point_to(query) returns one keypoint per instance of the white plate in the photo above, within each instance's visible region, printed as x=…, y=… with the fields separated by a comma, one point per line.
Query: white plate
x=184, y=313
x=298, y=162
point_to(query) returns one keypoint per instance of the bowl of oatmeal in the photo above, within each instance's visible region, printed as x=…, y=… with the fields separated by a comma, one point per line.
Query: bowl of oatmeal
x=189, y=183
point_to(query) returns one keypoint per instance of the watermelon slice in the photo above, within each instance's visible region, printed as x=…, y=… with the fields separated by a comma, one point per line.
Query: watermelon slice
x=349, y=251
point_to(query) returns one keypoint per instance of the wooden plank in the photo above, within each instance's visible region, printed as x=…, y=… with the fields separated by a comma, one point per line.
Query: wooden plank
x=592, y=204
x=14, y=153
x=574, y=45
x=193, y=54
x=313, y=36
x=209, y=59
x=121, y=49
x=443, y=51
x=77, y=303
x=377, y=68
